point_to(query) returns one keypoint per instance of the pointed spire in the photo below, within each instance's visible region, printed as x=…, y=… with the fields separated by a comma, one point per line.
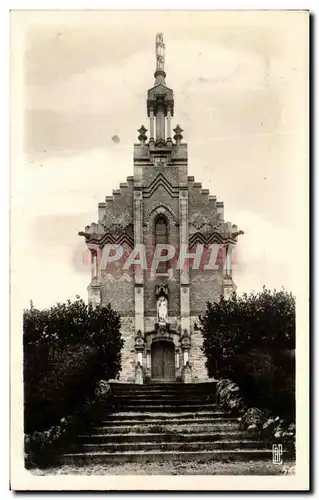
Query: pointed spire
x=160, y=104
x=160, y=60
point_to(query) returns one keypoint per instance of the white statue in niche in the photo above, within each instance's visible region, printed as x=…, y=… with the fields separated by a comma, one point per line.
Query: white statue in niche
x=162, y=310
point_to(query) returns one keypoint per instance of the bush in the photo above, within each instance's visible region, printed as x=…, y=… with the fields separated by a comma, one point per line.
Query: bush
x=229, y=397
x=67, y=349
x=251, y=340
x=268, y=380
x=41, y=446
x=70, y=378
x=257, y=422
x=75, y=323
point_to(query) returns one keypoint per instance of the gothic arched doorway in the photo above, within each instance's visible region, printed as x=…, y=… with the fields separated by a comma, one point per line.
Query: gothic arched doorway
x=163, y=360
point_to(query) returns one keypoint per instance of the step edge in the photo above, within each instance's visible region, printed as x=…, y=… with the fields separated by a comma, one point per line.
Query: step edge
x=156, y=434
x=170, y=452
x=172, y=443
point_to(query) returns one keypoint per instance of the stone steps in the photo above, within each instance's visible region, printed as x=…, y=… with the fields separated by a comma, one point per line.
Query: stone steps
x=163, y=389
x=169, y=407
x=199, y=396
x=166, y=421
x=168, y=398
x=163, y=386
x=155, y=396
x=163, y=456
x=171, y=446
x=149, y=428
x=163, y=423
x=163, y=403
x=164, y=417
x=161, y=437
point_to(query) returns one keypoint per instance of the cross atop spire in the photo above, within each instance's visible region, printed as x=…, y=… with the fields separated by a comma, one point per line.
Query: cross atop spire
x=160, y=102
x=160, y=60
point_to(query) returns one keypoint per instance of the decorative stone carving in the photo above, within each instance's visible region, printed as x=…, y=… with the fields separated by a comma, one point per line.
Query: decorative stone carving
x=95, y=292
x=117, y=228
x=137, y=194
x=198, y=221
x=142, y=134
x=237, y=233
x=161, y=290
x=187, y=376
x=160, y=51
x=178, y=134
x=139, y=375
x=160, y=143
x=169, y=143
x=162, y=309
x=183, y=194
x=139, y=341
x=186, y=341
x=160, y=163
x=161, y=210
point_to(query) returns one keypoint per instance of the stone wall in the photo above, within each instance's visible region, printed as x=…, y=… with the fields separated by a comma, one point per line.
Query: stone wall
x=118, y=208
x=117, y=289
x=206, y=286
x=163, y=200
x=201, y=207
x=157, y=187
x=197, y=358
x=129, y=357
x=128, y=352
x=151, y=173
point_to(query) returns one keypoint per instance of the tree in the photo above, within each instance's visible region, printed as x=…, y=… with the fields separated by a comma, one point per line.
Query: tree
x=251, y=339
x=67, y=348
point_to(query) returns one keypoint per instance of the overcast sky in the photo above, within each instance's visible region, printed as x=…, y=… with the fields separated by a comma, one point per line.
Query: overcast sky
x=240, y=84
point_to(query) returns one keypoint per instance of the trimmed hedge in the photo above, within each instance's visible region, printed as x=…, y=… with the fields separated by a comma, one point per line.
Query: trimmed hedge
x=41, y=446
x=70, y=377
x=67, y=349
x=251, y=340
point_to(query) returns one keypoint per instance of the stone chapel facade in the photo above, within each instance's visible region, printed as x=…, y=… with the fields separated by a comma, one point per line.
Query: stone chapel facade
x=160, y=204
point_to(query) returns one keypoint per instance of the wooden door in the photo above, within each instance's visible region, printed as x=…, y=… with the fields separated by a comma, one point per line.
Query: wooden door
x=163, y=361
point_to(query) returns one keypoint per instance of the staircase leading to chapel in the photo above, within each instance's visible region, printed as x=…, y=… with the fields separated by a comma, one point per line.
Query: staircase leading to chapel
x=164, y=422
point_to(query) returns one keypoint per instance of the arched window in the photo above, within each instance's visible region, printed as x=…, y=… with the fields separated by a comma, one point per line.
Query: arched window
x=161, y=238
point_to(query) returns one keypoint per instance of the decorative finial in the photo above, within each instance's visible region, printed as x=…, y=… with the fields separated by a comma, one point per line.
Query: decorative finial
x=160, y=59
x=178, y=134
x=142, y=134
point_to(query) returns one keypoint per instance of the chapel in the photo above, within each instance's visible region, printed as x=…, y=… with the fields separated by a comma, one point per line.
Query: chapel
x=160, y=206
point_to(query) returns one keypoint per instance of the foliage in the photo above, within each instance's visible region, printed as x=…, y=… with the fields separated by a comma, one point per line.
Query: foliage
x=258, y=423
x=229, y=397
x=74, y=323
x=67, y=349
x=102, y=391
x=41, y=446
x=251, y=340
